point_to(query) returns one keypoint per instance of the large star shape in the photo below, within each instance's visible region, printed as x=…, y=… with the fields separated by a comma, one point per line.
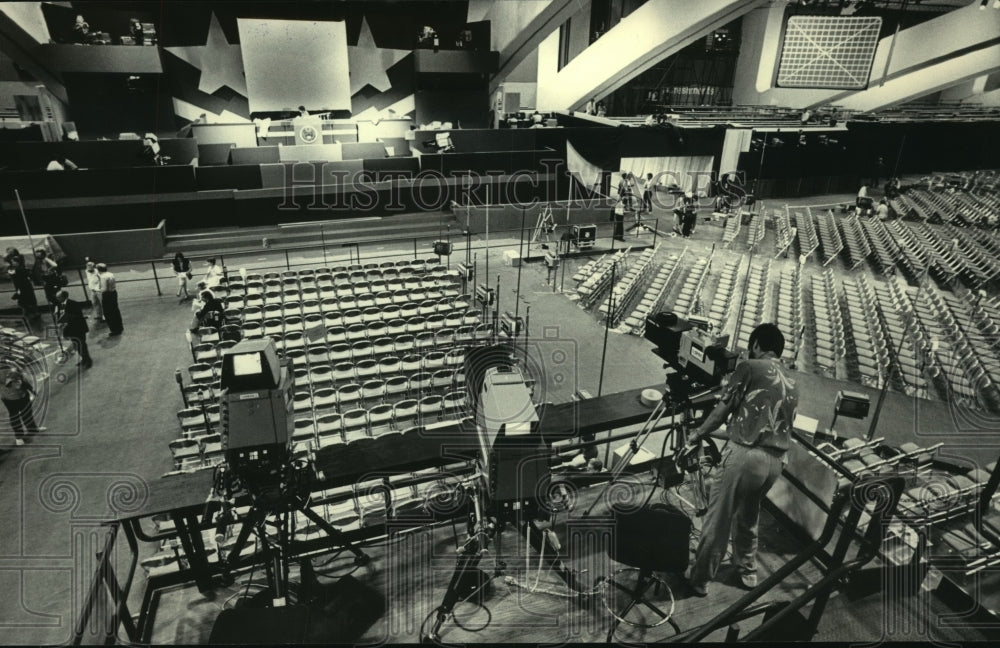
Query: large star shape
x=221, y=63
x=368, y=62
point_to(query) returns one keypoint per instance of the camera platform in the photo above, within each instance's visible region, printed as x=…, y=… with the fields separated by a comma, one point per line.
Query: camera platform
x=599, y=248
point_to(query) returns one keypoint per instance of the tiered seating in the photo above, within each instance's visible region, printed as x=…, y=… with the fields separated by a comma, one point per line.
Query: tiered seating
x=687, y=301
x=855, y=240
x=757, y=302
x=733, y=227
x=627, y=289
x=980, y=253
x=785, y=232
x=944, y=257
x=827, y=322
x=757, y=229
x=903, y=330
x=967, y=354
x=829, y=236
x=593, y=286
x=913, y=258
x=719, y=313
x=790, y=309
x=659, y=288
x=886, y=250
x=868, y=333
x=373, y=349
x=808, y=241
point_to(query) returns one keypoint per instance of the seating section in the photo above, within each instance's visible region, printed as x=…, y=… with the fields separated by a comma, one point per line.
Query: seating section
x=629, y=287
x=652, y=301
x=872, y=359
x=722, y=303
x=827, y=323
x=887, y=252
x=785, y=232
x=756, y=304
x=897, y=316
x=757, y=229
x=830, y=239
x=808, y=241
x=855, y=240
x=689, y=298
x=594, y=280
x=913, y=258
x=734, y=225
x=980, y=253
x=789, y=315
x=374, y=349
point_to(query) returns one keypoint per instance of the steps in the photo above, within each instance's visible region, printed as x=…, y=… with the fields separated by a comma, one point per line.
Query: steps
x=290, y=235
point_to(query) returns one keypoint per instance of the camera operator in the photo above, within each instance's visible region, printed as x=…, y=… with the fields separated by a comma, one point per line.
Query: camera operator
x=761, y=397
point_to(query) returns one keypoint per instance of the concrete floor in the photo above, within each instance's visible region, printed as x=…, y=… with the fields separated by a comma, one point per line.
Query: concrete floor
x=108, y=427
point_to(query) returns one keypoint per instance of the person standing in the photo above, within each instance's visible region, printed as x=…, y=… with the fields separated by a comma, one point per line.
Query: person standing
x=46, y=273
x=760, y=402
x=182, y=268
x=625, y=194
x=24, y=291
x=69, y=313
x=16, y=394
x=94, y=286
x=109, y=300
x=647, y=194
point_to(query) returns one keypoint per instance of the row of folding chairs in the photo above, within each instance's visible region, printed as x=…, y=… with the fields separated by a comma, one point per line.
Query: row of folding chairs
x=808, y=241
x=783, y=226
x=589, y=292
x=981, y=260
x=722, y=302
x=790, y=308
x=947, y=256
x=690, y=291
x=887, y=252
x=656, y=293
x=757, y=302
x=375, y=390
x=855, y=241
x=194, y=451
x=757, y=229
x=624, y=292
x=873, y=358
x=893, y=303
x=734, y=225
x=829, y=237
x=343, y=290
x=914, y=259
x=448, y=311
x=329, y=428
x=827, y=323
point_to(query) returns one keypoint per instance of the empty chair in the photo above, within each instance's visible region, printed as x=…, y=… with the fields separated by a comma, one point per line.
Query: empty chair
x=252, y=330
x=429, y=409
x=454, y=357
x=383, y=345
x=366, y=369
x=464, y=333
x=396, y=326
x=302, y=401
x=320, y=373
x=336, y=334
x=186, y=453
x=377, y=329
x=357, y=332
x=424, y=340
x=289, y=307
x=340, y=352
x=427, y=307
x=297, y=356
x=192, y=421
x=201, y=373
x=373, y=391
x=349, y=395
x=371, y=314
x=380, y=419
x=404, y=343
x=444, y=337
x=208, y=334
x=420, y=382
x=396, y=387
x=211, y=448
x=442, y=379
x=405, y=413
x=329, y=430
x=273, y=327
x=388, y=366
x=435, y=322
x=343, y=372
x=366, y=301
x=325, y=398
x=453, y=404
x=434, y=360
x=361, y=349
x=311, y=307
x=204, y=352
x=295, y=340
x=355, y=424
x=352, y=316
x=304, y=431
x=410, y=363
x=312, y=323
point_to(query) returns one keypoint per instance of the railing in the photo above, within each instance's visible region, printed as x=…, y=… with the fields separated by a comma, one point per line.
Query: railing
x=106, y=595
x=152, y=272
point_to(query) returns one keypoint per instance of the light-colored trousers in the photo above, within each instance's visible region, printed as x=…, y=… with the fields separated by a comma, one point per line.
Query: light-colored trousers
x=734, y=508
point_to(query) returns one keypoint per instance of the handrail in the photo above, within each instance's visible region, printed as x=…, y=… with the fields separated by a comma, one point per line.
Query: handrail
x=729, y=615
x=853, y=492
x=104, y=579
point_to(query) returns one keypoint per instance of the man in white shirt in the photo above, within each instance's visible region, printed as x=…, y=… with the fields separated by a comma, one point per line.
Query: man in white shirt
x=109, y=300
x=94, y=286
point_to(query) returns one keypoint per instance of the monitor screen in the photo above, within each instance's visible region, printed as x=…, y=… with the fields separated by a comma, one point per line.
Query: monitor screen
x=247, y=364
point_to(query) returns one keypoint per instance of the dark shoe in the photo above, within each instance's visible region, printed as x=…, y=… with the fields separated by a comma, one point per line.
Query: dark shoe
x=696, y=590
x=114, y=334
x=86, y=365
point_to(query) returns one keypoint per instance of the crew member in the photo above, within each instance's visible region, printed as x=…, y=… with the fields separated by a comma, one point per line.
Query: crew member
x=647, y=194
x=882, y=210
x=16, y=394
x=625, y=190
x=109, y=300
x=70, y=314
x=760, y=402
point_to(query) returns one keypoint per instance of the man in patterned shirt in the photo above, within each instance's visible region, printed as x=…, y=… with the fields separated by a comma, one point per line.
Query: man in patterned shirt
x=761, y=398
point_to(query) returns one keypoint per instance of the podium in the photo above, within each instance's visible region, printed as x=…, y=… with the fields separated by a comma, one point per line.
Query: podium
x=308, y=130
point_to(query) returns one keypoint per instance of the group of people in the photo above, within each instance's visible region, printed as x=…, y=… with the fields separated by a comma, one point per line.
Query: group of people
x=207, y=309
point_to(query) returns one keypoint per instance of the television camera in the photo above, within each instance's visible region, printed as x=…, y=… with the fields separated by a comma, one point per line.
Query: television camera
x=257, y=425
x=512, y=472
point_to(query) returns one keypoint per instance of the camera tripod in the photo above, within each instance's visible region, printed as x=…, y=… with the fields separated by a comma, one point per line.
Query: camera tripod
x=272, y=506
x=467, y=580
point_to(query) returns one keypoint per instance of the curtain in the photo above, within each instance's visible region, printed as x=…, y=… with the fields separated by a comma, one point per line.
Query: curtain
x=690, y=172
x=737, y=141
x=587, y=174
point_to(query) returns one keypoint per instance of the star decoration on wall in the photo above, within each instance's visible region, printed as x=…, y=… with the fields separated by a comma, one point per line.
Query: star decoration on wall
x=220, y=62
x=368, y=62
